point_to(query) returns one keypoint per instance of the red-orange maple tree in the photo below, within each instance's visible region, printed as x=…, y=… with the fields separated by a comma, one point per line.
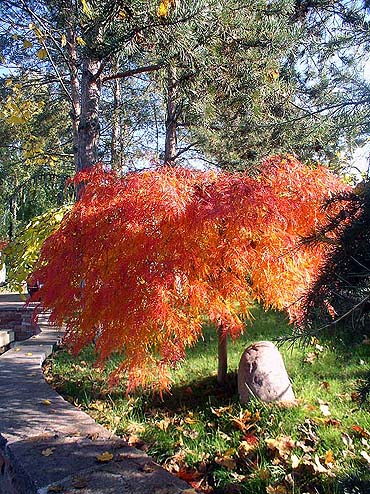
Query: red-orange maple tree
x=142, y=259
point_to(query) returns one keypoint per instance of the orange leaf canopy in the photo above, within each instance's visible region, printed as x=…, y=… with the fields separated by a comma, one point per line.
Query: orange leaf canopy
x=142, y=259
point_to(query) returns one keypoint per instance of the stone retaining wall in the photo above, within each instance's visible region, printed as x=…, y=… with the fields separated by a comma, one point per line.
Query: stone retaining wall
x=18, y=320
x=47, y=445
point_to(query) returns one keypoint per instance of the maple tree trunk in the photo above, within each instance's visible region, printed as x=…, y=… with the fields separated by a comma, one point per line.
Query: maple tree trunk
x=171, y=118
x=222, y=356
x=89, y=129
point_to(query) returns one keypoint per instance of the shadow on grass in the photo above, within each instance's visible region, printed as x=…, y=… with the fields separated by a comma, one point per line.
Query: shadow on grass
x=194, y=386
x=198, y=394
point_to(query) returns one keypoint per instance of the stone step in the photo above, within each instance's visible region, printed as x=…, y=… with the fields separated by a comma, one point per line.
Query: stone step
x=6, y=337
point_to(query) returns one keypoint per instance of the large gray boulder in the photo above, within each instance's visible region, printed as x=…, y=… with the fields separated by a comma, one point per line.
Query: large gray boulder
x=262, y=374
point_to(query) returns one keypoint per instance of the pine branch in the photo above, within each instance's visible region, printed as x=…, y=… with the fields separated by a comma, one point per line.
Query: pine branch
x=132, y=72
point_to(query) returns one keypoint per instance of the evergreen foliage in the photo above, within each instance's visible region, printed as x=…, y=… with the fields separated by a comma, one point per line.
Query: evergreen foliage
x=341, y=291
x=332, y=87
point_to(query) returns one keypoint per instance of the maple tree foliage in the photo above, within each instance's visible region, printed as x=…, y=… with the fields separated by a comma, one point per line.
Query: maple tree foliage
x=141, y=260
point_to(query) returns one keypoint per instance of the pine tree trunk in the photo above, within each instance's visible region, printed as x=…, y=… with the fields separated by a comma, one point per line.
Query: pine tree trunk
x=171, y=118
x=222, y=356
x=89, y=129
x=75, y=94
x=115, y=124
x=13, y=206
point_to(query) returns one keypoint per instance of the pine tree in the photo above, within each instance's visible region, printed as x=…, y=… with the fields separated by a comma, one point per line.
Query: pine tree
x=340, y=295
x=82, y=46
x=332, y=90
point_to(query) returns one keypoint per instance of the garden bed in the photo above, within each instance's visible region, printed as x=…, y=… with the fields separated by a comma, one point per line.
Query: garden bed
x=201, y=433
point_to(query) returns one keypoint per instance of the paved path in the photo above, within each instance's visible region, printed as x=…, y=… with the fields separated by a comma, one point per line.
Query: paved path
x=47, y=445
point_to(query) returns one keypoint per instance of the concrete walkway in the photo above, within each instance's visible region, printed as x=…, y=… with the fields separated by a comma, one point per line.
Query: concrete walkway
x=48, y=446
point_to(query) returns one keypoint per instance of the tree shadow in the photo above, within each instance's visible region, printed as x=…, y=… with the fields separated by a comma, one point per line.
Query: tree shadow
x=198, y=394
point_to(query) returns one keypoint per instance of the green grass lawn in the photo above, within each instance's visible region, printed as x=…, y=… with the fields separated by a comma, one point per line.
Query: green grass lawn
x=201, y=432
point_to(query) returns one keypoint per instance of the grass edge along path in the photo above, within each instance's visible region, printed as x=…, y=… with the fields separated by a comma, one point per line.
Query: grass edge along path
x=201, y=433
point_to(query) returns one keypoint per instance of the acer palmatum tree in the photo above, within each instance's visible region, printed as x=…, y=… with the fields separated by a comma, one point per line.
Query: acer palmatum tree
x=142, y=259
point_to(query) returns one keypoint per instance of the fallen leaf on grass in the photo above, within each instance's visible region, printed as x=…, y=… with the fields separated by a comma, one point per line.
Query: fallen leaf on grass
x=325, y=385
x=333, y=422
x=177, y=462
x=135, y=428
x=242, y=419
x=164, y=424
x=189, y=475
x=329, y=459
x=306, y=447
x=226, y=461
x=136, y=442
x=360, y=431
x=192, y=434
x=282, y=444
x=238, y=477
x=264, y=473
x=245, y=421
x=347, y=440
x=105, y=457
x=223, y=436
x=355, y=396
x=366, y=456
x=278, y=489
x=308, y=430
x=318, y=467
x=251, y=439
x=97, y=405
x=47, y=451
x=364, y=442
x=295, y=461
x=220, y=411
x=324, y=407
x=245, y=448
x=327, y=421
x=287, y=404
x=311, y=357
x=190, y=420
